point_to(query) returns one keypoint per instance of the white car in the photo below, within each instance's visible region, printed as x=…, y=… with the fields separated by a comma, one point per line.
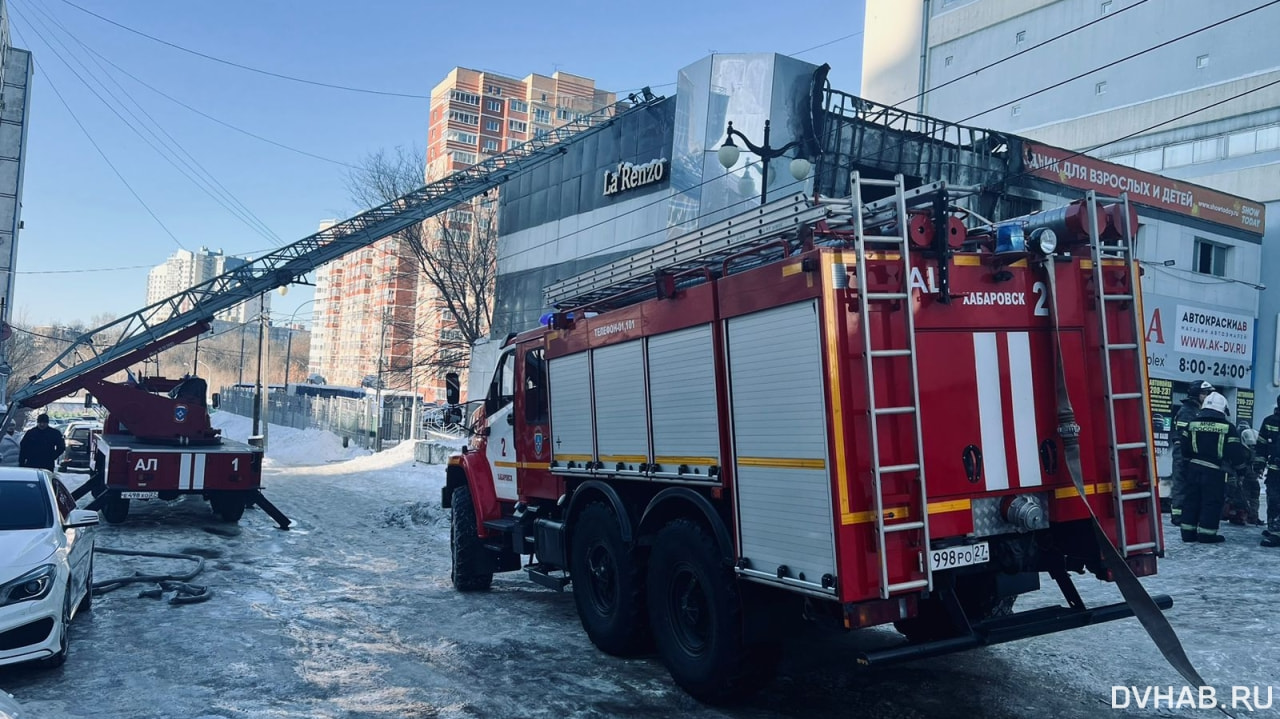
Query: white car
x=46, y=565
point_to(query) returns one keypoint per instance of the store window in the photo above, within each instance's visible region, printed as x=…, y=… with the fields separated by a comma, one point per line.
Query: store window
x=1211, y=258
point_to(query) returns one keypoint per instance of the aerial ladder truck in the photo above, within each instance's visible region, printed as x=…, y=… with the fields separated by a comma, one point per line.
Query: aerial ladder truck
x=157, y=441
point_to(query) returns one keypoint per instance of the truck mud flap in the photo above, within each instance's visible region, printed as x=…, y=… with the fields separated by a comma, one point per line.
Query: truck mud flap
x=1022, y=625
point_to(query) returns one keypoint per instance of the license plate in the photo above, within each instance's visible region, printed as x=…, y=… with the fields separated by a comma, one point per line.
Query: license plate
x=139, y=495
x=961, y=556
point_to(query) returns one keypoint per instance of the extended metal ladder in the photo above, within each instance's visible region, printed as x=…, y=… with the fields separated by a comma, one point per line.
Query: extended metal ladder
x=906, y=311
x=1123, y=250
x=153, y=327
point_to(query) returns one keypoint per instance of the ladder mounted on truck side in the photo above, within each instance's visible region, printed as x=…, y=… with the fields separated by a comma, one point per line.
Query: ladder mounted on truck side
x=152, y=327
x=706, y=249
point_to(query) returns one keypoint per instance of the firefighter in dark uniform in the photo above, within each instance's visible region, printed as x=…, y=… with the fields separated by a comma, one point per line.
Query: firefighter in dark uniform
x=1186, y=413
x=1269, y=449
x=1242, y=486
x=1211, y=446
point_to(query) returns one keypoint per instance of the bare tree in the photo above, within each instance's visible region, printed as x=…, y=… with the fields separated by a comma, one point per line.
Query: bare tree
x=455, y=258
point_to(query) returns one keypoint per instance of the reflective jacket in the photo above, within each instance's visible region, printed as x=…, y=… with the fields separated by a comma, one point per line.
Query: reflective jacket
x=1268, y=447
x=1211, y=441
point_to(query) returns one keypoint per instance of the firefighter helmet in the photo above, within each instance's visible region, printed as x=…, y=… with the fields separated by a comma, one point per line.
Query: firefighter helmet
x=1248, y=435
x=1216, y=402
x=1200, y=387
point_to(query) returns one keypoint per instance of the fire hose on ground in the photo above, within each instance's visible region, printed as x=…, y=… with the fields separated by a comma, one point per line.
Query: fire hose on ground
x=183, y=593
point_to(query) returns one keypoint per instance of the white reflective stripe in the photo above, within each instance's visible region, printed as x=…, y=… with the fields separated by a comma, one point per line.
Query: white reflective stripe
x=986, y=360
x=197, y=475
x=1024, y=410
x=184, y=471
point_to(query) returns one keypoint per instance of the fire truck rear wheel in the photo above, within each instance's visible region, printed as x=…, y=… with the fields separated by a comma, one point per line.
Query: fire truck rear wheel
x=116, y=510
x=608, y=583
x=696, y=614
x=229, y=507
x=465, y=546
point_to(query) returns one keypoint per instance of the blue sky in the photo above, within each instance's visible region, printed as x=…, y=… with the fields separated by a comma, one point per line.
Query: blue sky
x=80, y=216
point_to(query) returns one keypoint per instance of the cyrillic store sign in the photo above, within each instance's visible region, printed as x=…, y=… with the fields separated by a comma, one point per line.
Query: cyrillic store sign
x=630, y=177
x=1188, y=342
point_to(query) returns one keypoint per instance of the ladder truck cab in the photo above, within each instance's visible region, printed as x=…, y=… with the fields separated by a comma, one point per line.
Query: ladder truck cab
x=842, y=410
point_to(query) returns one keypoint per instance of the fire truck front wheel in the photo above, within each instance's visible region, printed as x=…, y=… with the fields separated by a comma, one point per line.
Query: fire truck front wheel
x=229, y=506
x=696, y=613
x=608, y=583
x=468, y=551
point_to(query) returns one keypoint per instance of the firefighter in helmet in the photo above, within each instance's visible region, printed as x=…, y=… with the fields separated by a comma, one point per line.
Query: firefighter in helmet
x=1269, y=450
x=1243, y=488
x=1211, y=447
x=1186, y=413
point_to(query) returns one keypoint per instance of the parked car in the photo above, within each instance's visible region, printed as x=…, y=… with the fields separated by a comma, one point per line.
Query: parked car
x=79, y=438
x=46, y=565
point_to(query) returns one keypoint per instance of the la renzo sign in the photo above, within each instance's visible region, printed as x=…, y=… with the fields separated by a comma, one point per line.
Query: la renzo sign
x=630, y=177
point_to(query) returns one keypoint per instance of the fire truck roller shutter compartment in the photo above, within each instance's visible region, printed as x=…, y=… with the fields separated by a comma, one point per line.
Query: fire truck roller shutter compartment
x=622, y=430
x=572, y=447
x=682, y=398
x=780, y=445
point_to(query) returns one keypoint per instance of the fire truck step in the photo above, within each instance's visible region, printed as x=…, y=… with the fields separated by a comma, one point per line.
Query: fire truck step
x=890, y=353
x=505, y=525
x=904, y=527
x=1135, y=495
x=882, y=238
x=894, y=468
x=879, y=411
x=904, y=586
x=1139, y=547
x=886, y=296
x=1130, y=445
x=1123, y=346
x=1117, y=298
x=1127, y=395
x=541, y=574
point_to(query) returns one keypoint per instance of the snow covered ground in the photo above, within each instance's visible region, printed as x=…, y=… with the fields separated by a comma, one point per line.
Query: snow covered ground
x=351, y=614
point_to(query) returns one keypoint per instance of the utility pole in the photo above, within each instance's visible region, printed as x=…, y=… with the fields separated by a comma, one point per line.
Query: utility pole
x=257, y=398
x=382, y=342
x=195, y=362
x=241, y=380
x=264, y=363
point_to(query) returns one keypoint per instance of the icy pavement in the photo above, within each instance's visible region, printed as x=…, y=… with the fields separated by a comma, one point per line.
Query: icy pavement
x=350, y=614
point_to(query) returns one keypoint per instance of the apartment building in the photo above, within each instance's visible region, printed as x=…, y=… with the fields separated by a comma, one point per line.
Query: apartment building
x=184, y=269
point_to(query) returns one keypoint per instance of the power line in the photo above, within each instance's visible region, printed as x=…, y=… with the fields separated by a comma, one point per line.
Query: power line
x=208, y=186
x=81, y=271
x=105, y=159
x=839, y=39
x=1020, y=53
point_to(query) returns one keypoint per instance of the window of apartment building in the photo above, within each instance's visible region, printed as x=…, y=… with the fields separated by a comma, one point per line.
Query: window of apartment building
x=465, y=118
x=1016, y=111
x=466, y=138
x=950, y=59
x=564, y=113
x=1020, y=38
x=1104, y=7
x=493, y=126
x=517, y=126
x=492, y=90
x=518, y=105
x=490, y=145
x=1211, y=258
x=467, y=98
x=1100, y=88
x=541, y=115
x=493, y=105
x=511, y=142
x=1202, y=62
x=466, y=158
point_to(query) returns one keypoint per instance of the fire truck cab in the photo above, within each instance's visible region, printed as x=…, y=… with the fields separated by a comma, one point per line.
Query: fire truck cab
x=846, y=411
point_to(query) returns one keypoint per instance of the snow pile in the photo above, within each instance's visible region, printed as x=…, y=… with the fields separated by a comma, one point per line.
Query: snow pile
x=289, y=446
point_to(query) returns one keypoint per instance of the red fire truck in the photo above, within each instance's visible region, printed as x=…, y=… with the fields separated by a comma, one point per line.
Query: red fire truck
x=737, y=426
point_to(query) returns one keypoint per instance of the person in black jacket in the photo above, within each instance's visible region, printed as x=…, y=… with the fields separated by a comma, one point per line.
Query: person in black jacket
x=41, y=446
x=1186, y=413
x=1269, y=449
x=1211, y=446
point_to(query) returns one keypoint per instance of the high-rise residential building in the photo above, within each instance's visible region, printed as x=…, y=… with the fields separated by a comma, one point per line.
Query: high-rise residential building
x=381, y=294
x=184, y=269
x=15, y=81
x=1179, y=88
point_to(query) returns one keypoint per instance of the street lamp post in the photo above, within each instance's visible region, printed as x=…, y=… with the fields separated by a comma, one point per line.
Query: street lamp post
x=729, y=152
x=288, y=352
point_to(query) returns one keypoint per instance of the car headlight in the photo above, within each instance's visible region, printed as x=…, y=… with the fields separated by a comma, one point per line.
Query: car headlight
x=31, y=586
